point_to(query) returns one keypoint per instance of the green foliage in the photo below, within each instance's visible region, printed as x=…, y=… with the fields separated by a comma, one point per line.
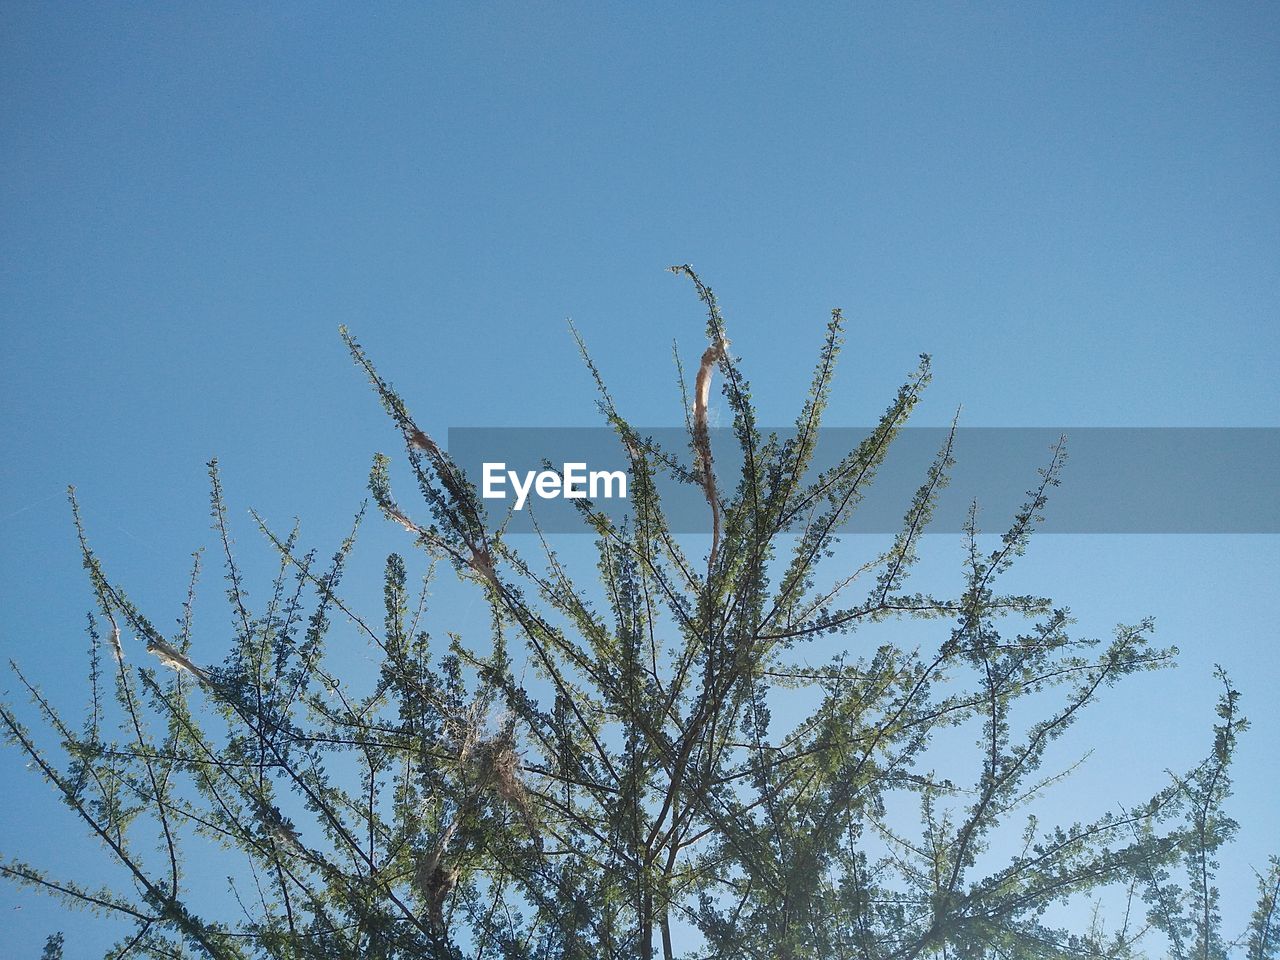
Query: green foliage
x=603, y=770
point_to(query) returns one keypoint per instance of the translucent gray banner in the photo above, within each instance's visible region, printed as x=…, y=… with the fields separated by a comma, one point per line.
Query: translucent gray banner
x=1116, y=479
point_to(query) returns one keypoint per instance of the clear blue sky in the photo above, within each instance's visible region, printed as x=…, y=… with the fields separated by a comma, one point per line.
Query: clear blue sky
x=1073, y=208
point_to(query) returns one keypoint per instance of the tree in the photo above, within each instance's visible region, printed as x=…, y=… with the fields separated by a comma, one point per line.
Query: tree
x=604, y=769
x=52, y=947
